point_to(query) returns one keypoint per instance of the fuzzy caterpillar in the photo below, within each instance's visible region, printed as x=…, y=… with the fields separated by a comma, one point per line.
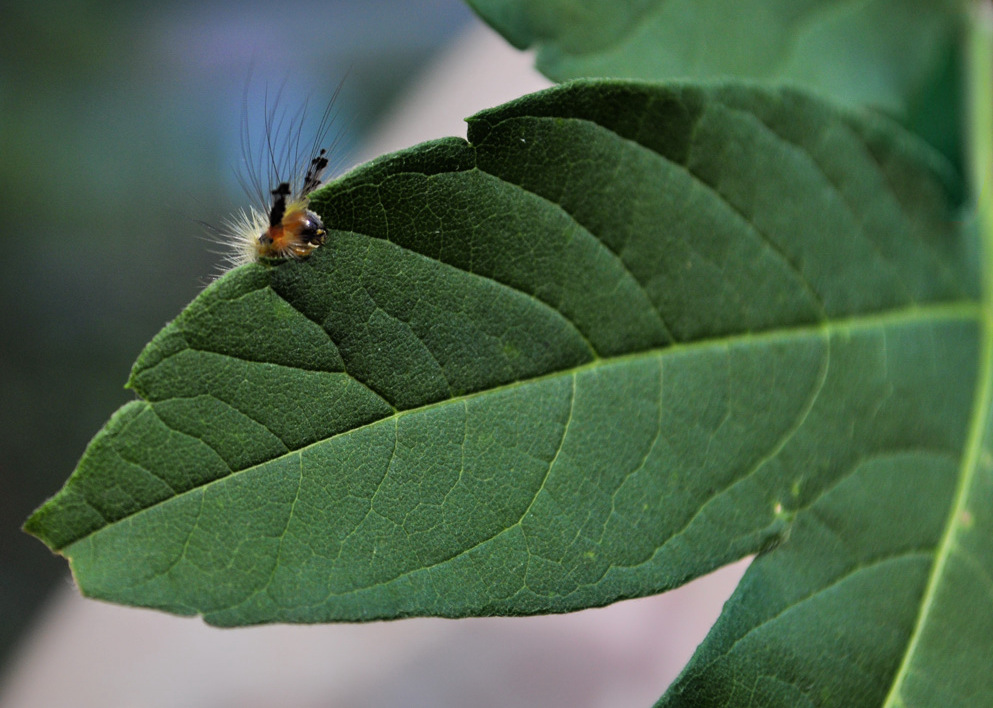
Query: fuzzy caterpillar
x=278, y=177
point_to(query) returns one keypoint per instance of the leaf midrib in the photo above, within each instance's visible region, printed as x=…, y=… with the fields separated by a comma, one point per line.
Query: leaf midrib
x=963, y=310
x=969, y=464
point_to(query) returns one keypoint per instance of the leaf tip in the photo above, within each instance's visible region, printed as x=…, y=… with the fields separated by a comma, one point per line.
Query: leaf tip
x=36, y=525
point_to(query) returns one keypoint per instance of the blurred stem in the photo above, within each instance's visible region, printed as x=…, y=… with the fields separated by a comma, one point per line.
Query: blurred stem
x=980, y=131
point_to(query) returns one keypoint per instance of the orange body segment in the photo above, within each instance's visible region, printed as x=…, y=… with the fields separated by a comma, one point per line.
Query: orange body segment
x=296, y=236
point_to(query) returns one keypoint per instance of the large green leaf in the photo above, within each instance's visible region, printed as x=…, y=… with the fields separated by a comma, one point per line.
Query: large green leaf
x=624, y=335
x=898, y=55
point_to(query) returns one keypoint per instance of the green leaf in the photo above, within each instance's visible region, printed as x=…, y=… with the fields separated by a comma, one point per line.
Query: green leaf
x=809, y=627
x=902, y=56
x=627, y=334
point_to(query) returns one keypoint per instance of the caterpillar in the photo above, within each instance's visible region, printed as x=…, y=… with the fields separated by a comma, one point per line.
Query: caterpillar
x=278, y=175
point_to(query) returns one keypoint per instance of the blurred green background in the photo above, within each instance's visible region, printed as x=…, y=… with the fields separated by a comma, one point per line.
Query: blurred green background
x=119, y=130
